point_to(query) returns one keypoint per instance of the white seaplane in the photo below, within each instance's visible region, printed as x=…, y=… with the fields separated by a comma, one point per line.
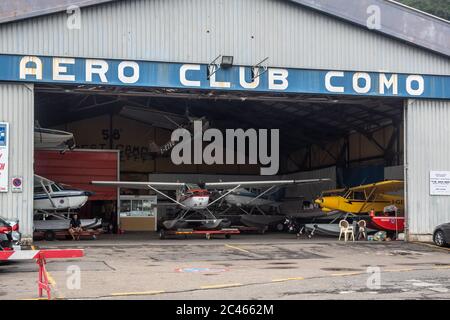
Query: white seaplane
x=194, y=199
x=50, y=196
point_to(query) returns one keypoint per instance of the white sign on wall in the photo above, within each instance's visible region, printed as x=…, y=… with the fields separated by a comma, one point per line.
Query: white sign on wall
x=440, y=183
x=4, y=148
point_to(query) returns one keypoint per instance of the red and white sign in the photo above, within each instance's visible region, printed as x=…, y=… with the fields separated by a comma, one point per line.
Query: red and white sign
x=17, y=184
x=4, y=156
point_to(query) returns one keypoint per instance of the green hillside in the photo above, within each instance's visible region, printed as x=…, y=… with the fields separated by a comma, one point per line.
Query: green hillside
x=440, y=8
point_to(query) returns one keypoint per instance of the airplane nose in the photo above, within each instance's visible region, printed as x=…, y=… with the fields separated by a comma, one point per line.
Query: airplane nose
x=319, y=201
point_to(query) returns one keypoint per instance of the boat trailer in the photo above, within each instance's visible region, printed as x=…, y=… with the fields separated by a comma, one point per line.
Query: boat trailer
x=227, y=232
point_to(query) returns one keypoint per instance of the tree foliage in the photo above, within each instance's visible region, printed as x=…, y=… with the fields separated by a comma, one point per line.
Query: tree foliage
x=440, y=8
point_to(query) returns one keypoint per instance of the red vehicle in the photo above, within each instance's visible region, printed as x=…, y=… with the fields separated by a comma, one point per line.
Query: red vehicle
x=9, y=232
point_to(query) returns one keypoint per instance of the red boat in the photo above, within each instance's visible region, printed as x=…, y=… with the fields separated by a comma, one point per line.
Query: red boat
x=388, y=223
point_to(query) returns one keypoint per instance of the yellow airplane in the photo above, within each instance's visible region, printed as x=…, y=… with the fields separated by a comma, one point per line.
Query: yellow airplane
x=363, y=199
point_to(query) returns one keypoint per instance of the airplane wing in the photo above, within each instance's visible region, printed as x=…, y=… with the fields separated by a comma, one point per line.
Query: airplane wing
x=382, y=187
x=38, y=180
x=140, y=185
x=259, y=184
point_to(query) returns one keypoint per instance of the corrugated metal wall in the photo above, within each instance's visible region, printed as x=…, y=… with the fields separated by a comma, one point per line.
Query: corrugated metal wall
x=199, y=30
x=17, y=108
x=427, y=149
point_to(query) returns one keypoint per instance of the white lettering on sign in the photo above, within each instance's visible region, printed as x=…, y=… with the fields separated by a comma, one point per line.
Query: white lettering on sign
x=386, y=83
x=278, y=79
x=183, y=75
x=328, y=79
x=248, y=85
x=418, y=81
x=128, y=79
x=26, y=69
x=356, y=82
x=60, y=70
x=238, y=78
x=99, y=67
x=218, y=84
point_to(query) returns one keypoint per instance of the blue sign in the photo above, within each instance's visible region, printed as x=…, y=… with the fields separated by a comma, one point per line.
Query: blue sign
x=75, y=71
x=3, y=133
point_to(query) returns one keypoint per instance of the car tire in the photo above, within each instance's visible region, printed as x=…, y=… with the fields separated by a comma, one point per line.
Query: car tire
x=439, y=238
x=49, y=235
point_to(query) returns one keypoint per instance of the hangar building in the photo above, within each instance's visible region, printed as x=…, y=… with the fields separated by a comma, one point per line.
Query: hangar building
x=364, y=91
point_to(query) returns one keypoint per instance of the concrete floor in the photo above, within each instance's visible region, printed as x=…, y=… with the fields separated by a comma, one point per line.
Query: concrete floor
x=271, y=266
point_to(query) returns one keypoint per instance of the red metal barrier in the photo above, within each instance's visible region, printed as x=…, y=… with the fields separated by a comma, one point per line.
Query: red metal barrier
x=41, y=257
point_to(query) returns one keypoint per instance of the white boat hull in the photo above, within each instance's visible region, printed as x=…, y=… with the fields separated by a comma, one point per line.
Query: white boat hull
x=52, y=139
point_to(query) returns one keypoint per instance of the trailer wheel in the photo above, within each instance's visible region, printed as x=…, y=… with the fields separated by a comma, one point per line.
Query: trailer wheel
x=162, y=234
x=49, y=235
x=227, y=236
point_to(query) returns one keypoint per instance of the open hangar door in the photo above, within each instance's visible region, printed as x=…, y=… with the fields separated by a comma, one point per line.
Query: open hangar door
x=352, y=140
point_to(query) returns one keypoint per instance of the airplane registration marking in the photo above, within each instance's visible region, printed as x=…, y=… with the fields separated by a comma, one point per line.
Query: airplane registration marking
x=237, y=248
x=219, y=286
x=288, y=279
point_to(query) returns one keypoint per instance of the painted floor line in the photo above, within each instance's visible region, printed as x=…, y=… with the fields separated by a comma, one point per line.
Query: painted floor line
x=441, y=267
x=237, y=248
x=432, y=246
x=346, y=274
x=288, y=279
x=397, y=270
x=219, y=286
x=143, y=293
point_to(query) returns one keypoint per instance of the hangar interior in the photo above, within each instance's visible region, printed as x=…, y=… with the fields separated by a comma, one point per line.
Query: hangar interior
x=351, y=140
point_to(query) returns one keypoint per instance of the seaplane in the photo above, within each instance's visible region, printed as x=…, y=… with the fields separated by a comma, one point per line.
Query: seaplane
x=258, y=207
x=195, y=199
x=50, y=196
x=382, y=202
x=49, y=139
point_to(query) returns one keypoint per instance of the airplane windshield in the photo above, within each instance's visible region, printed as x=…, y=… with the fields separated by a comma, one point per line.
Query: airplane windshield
x=57, y=187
